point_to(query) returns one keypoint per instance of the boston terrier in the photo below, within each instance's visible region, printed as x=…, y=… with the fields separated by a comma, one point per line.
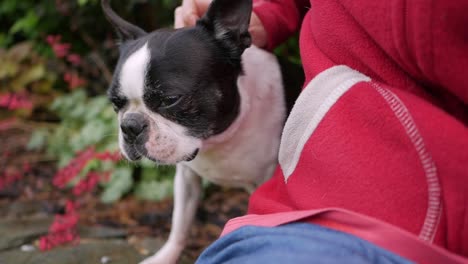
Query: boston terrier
x=202, y=98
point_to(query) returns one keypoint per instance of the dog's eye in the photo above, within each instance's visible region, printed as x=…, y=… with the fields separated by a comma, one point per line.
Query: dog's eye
x=169, y=101
x=118, y=103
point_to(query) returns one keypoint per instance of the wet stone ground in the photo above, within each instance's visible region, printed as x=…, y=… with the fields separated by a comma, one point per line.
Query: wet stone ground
x=124, y=232
x=23, y=222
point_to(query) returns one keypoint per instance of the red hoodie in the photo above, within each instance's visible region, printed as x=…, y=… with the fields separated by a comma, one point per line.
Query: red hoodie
x=377, y=143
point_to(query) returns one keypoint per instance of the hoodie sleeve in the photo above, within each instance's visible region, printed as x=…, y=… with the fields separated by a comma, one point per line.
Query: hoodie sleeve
x=281, y=18
x=428, y=40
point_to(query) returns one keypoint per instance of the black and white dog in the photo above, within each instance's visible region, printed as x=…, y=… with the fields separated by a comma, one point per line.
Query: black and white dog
x=200, y=98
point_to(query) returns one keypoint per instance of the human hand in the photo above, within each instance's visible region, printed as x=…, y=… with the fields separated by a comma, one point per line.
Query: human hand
x=191, y=10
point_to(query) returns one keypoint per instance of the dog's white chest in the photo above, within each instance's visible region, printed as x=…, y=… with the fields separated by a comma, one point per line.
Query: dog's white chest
x=247, y=166
x=246, y=154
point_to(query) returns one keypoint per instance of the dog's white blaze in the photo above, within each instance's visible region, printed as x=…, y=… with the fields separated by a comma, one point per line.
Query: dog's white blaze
x=132, y=75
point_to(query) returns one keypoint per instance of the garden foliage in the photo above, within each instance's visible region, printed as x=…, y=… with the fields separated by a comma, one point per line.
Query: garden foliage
x=57, y=57
x=56, y=60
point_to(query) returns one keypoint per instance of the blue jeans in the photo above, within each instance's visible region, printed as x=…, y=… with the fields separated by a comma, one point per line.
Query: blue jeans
x=294, y=243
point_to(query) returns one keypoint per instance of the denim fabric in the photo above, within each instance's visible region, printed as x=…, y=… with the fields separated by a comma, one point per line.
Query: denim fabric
x=295, y=243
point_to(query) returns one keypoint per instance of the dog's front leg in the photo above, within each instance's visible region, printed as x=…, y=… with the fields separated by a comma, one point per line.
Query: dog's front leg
x=187, y=188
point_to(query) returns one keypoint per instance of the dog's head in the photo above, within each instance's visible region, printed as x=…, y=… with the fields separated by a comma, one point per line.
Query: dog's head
x=172, y=89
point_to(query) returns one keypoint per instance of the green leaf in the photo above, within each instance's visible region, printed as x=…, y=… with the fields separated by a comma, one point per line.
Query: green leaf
x=5, y=40
x=108, y=165
x=7, y=6
x=154, y=190
x=78, y=111
x=26, y=23
x=112, y=144
x=82, y=2
x=37, y=140
x=8, y=69
x=166, y=172
x=109, y=113
x=91, y=165
x=93, y=132
x=76, y=142
x=96, y=107
x=65, y=105
x=120, y=183
x=32, y=74
x=65, y=158
x=151, y=172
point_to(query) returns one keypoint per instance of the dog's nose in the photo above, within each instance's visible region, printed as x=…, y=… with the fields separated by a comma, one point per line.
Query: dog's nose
x=133, y=125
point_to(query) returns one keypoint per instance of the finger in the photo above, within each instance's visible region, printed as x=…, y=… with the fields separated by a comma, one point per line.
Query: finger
x=202, y=6
x=189, y=12
x=257, y=31
x=189, y=6
x=178, y=18
x=190, y=19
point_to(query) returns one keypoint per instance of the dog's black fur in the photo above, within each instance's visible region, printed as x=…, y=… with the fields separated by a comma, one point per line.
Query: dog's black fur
x=204, y=59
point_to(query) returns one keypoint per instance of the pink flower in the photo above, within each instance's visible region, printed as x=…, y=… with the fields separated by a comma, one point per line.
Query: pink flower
x=87, y=184
x=53, y=240
x=67, y=173
x=26, y=167
x=14, y=101
x=73, y=80
x=63, y=229
x=106, y=155
x=52, y=39
x=74, y=167
x=74, y=59
x=61, y=49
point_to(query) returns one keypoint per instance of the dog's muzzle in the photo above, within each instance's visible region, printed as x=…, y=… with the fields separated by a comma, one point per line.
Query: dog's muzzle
x=133, y=126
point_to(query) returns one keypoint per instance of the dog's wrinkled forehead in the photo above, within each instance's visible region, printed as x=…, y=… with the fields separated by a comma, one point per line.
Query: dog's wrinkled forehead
x=172, y=58
x=187, y=76
x=220, y=37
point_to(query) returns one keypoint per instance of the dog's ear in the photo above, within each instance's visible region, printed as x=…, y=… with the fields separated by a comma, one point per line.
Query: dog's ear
x=124, y=29
x=228, y=21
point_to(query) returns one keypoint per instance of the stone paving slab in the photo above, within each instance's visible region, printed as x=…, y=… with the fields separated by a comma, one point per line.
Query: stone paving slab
x=22, y=223
x=16, y=232
x=102, y=232
x=20, y=209
x=111, y=251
